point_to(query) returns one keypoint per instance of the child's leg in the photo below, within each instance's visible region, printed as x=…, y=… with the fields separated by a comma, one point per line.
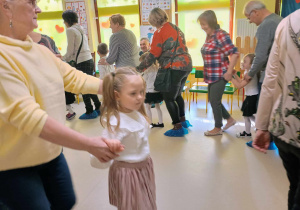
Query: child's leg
x=252, y=118
x=159, y=113
x=247, y=124
x=69, y=109
x=148, y=109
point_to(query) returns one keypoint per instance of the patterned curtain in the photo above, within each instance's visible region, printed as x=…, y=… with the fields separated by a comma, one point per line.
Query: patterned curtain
x=289, y=6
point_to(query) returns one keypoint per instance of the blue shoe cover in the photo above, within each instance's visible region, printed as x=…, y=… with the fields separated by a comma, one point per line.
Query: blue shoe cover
x=176, y=133
x=186, y=124
x=249, y=144
x=85, y=116
x=272, y=145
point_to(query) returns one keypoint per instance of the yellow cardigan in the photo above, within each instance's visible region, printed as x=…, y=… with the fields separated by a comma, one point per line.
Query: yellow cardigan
x=32, y=84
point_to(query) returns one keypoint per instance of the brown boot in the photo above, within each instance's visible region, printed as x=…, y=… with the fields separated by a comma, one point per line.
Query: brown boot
x=177, y=126
x=182, y=119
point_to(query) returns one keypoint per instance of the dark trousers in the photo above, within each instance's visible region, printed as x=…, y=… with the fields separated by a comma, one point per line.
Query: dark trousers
x=88, y=68
x=290, y=156
x=173, y=98
x=44, y=187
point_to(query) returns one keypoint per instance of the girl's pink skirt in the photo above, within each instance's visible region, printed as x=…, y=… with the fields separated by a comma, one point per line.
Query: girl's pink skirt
x=132, y=185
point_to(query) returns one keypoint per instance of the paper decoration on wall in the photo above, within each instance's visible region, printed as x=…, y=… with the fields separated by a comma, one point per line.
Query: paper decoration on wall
x=147, y=31
x=192, y=43
x=59, y=29
x=105, y=24
x=147, y=5
x=79, y=8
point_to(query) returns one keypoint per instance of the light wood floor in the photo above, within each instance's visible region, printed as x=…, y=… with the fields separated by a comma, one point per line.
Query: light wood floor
x=194, y=172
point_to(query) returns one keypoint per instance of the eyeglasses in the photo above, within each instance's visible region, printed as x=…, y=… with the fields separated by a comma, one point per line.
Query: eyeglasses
x=249, y=14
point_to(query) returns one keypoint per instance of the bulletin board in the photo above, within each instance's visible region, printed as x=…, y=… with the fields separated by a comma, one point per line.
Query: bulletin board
x=146, y=30
x=147, y=5
x=80, y=9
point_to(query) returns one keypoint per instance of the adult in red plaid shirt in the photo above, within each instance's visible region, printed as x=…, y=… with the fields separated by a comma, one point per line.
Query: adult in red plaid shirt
x=218, y=69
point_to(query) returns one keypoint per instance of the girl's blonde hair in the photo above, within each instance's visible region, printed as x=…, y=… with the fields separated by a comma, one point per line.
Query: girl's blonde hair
x=144, y=55
x=251, y=56
x=114, y=82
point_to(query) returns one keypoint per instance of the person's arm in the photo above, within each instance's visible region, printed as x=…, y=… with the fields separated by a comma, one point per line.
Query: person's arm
x=268, y=95
x=114, y=44
x=59, y=134
x=71, y=39
x=265, y=37
x=155, y=53
x=228, y=48
x=238, y=83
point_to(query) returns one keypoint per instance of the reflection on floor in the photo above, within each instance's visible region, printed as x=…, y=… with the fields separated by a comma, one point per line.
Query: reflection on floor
x=193, y=172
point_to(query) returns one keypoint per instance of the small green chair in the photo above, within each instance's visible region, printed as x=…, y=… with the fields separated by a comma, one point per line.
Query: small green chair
x=198, y=89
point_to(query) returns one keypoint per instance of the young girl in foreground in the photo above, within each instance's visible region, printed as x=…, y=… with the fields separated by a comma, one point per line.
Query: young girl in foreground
x=251, y=91
x=131, y=175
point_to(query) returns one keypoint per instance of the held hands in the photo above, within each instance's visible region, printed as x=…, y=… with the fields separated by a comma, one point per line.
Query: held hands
x=101, y=151
x=247, y=77
x=261, y=141
x=228, y=76
x=114, y=145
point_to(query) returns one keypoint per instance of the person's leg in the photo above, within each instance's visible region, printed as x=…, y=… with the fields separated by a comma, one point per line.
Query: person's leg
x=247, y=125
x=159, y=113
x=171, y=96
x=148, y=110
x=57, y=182
x=87, y=67
x=69, y=109
x=23, y=189
x=216, y=91
x=179, y=98
x=291, y=164
x=96, y=101
x=87, y=102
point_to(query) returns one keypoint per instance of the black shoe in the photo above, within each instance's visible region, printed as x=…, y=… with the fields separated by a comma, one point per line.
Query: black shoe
x=158, y=125
x=243, y=135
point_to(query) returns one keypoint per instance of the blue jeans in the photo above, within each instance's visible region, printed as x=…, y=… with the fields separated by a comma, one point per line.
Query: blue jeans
x=43, y=187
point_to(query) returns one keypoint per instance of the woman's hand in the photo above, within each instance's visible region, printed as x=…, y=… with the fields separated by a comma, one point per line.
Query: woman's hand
x=102, y=61
x=102, y=148
x=227, y=76
x=261, y=141
x=114, y=145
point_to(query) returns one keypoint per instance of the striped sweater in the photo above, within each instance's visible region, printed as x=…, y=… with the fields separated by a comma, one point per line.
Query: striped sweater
x=123, y=49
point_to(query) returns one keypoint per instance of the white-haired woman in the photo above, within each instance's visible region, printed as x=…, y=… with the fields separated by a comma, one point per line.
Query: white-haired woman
x=33, y=171
x=169, y=48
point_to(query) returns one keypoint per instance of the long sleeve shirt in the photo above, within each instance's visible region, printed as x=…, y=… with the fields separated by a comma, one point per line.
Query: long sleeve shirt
x=265, y=37
x=32, y=82
x=133, y=133
x=123, y=49
x=279, y=102
x=215, y=52
x=75, y=34
x=162, y=49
